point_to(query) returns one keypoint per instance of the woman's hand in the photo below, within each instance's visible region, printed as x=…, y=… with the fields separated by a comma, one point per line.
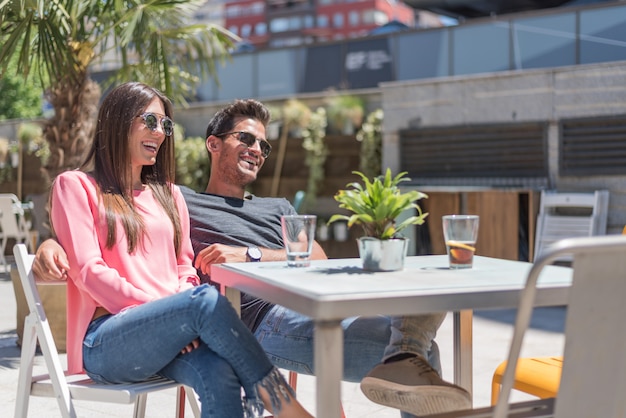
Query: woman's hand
x=50, y=262
x=191, y=346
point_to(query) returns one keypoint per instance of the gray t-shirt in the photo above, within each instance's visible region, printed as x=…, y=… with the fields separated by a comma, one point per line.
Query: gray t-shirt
x=238, y=222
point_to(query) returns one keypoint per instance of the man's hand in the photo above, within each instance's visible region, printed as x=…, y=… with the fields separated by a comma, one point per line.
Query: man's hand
x=191, y=346
x=219, y=253
x=50, y=262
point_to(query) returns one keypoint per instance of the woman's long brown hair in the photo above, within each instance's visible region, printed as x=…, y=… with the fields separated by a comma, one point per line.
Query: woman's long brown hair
x=109, y=162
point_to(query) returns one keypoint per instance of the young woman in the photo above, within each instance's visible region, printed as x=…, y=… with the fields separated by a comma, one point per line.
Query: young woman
x=135, y=305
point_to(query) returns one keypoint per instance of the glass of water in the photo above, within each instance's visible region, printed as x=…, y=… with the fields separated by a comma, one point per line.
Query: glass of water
x=298, y=236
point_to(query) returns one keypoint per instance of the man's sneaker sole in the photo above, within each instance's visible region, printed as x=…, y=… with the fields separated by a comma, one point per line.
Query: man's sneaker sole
x=418, y=400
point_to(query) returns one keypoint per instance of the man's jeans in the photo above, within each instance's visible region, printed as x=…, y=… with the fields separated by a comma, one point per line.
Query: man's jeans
x=287, y=338
x=146, y=340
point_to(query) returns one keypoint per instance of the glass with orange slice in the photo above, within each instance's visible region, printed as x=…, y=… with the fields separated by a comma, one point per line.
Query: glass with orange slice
x=460, y=234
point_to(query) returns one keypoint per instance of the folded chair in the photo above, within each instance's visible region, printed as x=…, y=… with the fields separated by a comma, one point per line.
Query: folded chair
x=68, y=388
x=594, y=366
x=13, y=224
x=570, y=215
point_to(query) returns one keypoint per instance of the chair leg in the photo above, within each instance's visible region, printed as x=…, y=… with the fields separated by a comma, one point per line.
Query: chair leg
x=3, y=247
x=186, y=392
x=293, y=380
x=193, y=401
x=496, y=381
x=180, y=402
x=53, y=363
x=27, y=358
x=140, y=406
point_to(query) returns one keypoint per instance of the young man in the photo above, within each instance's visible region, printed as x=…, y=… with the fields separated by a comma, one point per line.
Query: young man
x=389, y=355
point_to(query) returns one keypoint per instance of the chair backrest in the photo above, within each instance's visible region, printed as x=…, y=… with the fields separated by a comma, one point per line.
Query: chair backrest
x=37, y=329
x=298, y=200
x=594, y=366
x=570, y=215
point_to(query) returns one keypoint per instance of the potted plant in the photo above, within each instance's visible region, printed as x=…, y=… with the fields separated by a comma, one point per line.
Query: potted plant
x=345, y=113
x=376, y=206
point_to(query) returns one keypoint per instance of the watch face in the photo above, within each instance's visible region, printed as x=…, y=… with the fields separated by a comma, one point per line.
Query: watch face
x=254, y=253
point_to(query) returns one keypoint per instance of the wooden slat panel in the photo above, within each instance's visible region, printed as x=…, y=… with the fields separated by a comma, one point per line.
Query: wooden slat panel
x=592, y=146
x=437, y=205
x=511, y=150
x=499, y=222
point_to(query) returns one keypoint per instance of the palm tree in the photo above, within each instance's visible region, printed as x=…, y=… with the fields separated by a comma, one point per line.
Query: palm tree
x=60, y=40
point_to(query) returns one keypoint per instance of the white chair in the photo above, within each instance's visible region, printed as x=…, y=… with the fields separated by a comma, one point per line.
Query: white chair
x=67, y=388
x=570, y=215
x=13, y=224
x=594, y=365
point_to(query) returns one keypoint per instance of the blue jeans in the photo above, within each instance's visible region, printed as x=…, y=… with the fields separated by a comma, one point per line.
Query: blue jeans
x=287, y=338
x=146, y=340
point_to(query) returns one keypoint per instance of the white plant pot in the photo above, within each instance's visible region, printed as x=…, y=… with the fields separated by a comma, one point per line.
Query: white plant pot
x=15, y=159
x=383, y=255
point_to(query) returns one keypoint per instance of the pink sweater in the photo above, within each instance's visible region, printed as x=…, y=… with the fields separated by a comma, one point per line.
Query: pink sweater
x=112, y=278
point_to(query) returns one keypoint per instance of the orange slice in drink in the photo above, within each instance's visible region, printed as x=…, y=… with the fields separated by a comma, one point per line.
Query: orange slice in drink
x=459, y=244
x=460, y=253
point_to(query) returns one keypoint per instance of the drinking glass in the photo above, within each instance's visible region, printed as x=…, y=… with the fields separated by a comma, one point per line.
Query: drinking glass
x=298, y=237
x=460, y=233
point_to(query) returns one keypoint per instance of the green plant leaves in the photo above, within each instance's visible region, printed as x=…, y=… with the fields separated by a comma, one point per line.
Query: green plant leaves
x=378, y=203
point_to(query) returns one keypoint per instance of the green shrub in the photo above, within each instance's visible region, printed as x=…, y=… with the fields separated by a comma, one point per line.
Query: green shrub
x=192, y=163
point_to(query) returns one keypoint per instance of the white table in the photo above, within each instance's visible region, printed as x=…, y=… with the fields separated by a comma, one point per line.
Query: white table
x=331, y=290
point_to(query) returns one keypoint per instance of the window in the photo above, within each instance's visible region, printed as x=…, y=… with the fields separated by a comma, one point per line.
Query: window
x=257, y=8
x=322, y=21
x=338, y=20
x=309, y=21
x=246, y=30
x=283, y=24
x=233, y=11
x=234, y=29
x=374, y=17
x=368, y=17
x=353, y=18
x=280, y=24
x=295, y=23
x=260, y=29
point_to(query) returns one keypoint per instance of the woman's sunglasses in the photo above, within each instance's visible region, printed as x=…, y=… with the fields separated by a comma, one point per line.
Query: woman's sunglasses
x=151, y=120
x=248, y=139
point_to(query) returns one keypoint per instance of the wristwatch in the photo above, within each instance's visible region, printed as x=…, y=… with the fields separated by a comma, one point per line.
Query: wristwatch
x=254, y=254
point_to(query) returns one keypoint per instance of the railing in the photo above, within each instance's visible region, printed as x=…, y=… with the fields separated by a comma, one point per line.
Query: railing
x=558, y=37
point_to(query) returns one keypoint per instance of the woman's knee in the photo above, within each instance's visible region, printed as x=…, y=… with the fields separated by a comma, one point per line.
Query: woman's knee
x=204, y=298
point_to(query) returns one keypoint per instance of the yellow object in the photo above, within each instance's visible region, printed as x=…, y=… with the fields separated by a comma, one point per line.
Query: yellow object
x=459, y=244
x=538, y=376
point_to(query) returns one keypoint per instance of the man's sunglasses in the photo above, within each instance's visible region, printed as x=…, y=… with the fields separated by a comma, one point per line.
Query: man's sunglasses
x=248, y=139
x=151, y=120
